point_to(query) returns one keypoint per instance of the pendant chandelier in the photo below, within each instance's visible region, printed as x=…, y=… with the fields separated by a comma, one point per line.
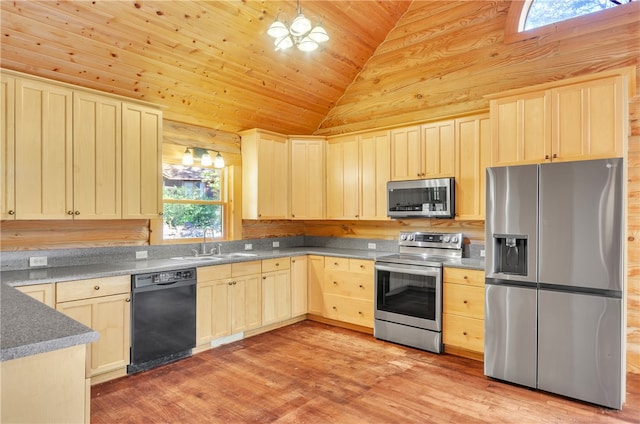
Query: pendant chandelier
x=300, y=33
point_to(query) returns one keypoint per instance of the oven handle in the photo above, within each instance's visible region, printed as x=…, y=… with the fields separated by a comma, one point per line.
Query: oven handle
x=409, y=269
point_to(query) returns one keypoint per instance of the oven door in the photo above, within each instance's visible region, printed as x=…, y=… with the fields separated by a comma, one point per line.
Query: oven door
x=409, y=295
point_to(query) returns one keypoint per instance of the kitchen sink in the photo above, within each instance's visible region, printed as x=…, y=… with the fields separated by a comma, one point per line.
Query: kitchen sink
x=198, y=258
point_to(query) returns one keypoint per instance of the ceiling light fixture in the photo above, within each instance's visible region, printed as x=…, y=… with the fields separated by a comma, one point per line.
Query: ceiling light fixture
x=299, y=33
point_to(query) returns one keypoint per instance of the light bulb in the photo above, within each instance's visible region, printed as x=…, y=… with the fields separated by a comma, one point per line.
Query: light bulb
x=187, y=157
x=318, y=34
x=300, y=25
x=205, y=159
x=278, y=29
x=307, y=45
x=219, y=161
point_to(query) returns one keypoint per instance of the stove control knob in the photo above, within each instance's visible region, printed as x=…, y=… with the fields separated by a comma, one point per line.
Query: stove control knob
x=446, y=239
x=454, y=239
x=403, y=236
x=412, y=237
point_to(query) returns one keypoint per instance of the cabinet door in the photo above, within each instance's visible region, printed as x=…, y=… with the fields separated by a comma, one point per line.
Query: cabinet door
x=43, y=151
x=40, y=292
x=299, y=271
x=406, y=154
x=588, y=120
x=205, y=312
x=7, y=147
x=97, y=144
x=245, y=303
x=473, y=137
x=141, y=162
x=273, y=178
x=276, y=297
x=221, y=308
x=521, y=129
x=438, y=149
x=315, y=277
x=307, y=179
x=375, y=171
x=342, y=178
x=110, y=316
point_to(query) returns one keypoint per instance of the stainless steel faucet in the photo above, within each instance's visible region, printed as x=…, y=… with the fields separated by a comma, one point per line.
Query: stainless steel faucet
x=203, y=248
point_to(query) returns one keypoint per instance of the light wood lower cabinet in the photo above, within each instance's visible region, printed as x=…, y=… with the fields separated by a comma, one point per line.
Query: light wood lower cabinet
x=228, y=300
x=276, y=290
x=463, y=311
x=348, y=290
x=315, y=276
x=41, y=292
x=103, y=304
x=299, y=282
x=49, y=387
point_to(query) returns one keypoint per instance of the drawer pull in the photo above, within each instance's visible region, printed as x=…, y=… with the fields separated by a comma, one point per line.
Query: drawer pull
x=96, y=288
x=464, y=333
x=335, y=283
x=465, y=277
x=334, y=308
x=464, y=301
x=361, y=266
x=335, y=263
x=277, y=264
x=360, y=313
x=264, y=278
x=361, y=286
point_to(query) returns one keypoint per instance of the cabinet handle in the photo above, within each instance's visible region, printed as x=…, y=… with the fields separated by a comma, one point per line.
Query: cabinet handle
x=334, y=308
x=465, y=277
x=96, y=288
x=277, y=264
x=335, y=263
x=335, y=283
x=160, y=213
x=69, y=212
x=230, y=283
x=361, y=286
x=464, y=333
x=235, y=282
x=546, y=156
x=464, y=301
x=555, y=155
x=356, y=216
x=360, y=313
x=12, y=212
x=361, y=266
x=127, y=300
x=264, y=278
x=293, y=215
x=76, y=213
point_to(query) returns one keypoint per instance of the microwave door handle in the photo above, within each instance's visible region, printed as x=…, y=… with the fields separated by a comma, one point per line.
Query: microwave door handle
x=426, y=271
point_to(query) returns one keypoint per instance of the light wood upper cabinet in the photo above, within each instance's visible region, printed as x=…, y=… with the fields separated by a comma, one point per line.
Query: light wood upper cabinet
x=406, y=154
x=43, y=150
x=343, y=178
x=588, y=120
x=581, y=119
x=375, y=171
x=438, y=149
x=265, y=175
x=307, y=178
x=521, y=129
x=7, y=147
x=97, y=157
x=141, y=161
x=473, y=154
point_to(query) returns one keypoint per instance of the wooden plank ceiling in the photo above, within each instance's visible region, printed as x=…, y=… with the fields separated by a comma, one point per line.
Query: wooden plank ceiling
x=210, y=63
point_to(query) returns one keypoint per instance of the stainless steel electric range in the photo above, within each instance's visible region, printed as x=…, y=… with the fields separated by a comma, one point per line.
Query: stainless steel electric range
x=408, y=289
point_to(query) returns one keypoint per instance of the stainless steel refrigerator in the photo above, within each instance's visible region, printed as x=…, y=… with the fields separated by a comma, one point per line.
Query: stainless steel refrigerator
x=555, y=279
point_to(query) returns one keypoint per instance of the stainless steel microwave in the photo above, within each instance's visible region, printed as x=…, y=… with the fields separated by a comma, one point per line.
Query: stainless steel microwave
x=430, y=198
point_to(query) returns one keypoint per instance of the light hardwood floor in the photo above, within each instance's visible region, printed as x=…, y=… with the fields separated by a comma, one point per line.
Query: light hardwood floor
x=313, y=373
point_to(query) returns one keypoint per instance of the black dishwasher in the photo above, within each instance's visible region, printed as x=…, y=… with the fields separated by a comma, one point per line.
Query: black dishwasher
x=163, y=318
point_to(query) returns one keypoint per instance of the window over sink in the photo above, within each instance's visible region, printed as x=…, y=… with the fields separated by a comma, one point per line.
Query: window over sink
x=194, y=200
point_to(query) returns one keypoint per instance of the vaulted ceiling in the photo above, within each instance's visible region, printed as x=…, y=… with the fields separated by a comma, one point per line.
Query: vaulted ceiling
x=209, y=63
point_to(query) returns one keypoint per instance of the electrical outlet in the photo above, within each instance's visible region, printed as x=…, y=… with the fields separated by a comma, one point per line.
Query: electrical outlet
x=38, y=261
x=276, y=244
x=482, y=253
x=371, y=245
x=142, y=254
x=248, y=246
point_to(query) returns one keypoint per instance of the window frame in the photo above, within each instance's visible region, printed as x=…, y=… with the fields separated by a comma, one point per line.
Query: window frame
x=564, y=29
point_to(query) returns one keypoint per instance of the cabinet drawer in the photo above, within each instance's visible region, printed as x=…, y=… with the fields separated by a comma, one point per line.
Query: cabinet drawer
x=348, y=284
x=246, y=268
x=460, y=299
x=95, y=287
x=346, y=309
x=463, y=332
x=464, y=276
x=361, y=266
x=337, y=264
x=276, y=264
x=214, y=272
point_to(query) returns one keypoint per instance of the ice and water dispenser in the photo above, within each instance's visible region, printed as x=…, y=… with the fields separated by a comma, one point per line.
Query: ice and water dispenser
x=510, y=254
